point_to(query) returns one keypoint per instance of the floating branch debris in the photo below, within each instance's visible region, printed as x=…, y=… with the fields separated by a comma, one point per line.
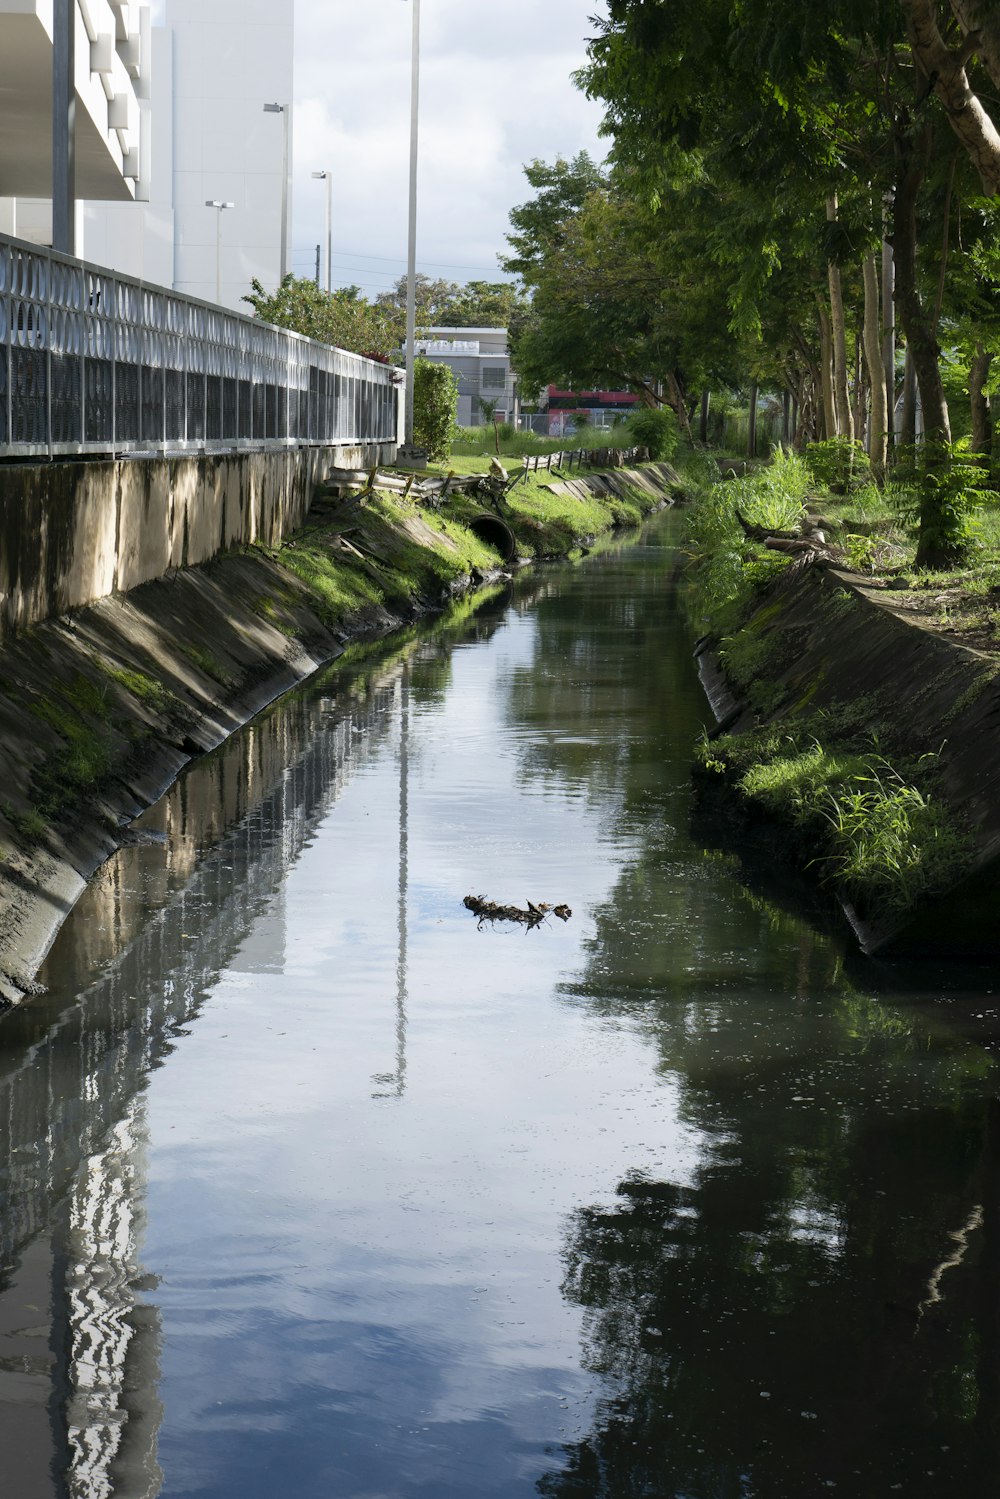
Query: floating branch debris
x=531, y=915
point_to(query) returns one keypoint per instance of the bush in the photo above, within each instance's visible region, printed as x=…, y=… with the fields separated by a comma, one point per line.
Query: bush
x=435, y=409
x=838, y=463
x=655, y=430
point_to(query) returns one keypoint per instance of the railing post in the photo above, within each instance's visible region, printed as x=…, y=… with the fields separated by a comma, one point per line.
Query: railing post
x=48, y=352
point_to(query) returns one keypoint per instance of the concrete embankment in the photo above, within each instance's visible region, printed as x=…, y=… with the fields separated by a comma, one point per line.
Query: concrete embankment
x=101, y=707
x=828, y=642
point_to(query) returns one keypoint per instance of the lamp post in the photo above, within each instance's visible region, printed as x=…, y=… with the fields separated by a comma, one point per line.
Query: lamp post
x=282, y=110
x=218, y=205
x=327, y=177
x=411, y=262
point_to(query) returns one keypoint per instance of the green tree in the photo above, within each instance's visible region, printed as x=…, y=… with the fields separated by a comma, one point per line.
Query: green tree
x=809, y=118
x=448, y=304
x=342, y=318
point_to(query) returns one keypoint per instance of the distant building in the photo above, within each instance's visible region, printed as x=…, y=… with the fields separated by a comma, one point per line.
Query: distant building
x=602, y=407
x=480, y=359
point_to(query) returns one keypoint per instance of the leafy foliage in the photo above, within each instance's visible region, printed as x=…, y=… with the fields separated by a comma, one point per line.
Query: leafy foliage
x=448, y=304
x=342, y=318
x=435, y=408
x=655, y=430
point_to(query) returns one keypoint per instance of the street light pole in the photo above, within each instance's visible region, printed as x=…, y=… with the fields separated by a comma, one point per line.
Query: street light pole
x=282, y=110
x=218, y=205
x=328, y=178
x=411, y=262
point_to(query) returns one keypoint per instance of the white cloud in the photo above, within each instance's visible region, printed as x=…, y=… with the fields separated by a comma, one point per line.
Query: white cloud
x=495, y=92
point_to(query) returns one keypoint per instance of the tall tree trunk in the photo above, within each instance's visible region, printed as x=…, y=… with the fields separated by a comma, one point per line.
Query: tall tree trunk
x=838, y=329
x=982, y=416
x=752, y=423
x=706, y=403
x=944, y=71
x=675, y=400
x=860, y=388
x=921, y=341
x=826, y=371
x=939, y=542
x=786, y=417
x=889, y=338
x=877, y=429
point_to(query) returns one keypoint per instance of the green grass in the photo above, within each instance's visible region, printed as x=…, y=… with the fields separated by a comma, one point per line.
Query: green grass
x=146, y=688
x=336, y=588
x=473, y=442
x=877, y=835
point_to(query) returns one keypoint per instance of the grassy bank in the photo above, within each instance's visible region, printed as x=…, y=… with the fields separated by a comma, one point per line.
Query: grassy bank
x=851, y=793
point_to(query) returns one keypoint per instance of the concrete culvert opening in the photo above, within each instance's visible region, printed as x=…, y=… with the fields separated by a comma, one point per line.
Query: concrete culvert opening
x=496, y=533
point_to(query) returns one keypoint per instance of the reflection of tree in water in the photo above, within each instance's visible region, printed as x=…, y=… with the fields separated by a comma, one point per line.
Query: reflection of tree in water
x=603, y=658
x=818, y=1304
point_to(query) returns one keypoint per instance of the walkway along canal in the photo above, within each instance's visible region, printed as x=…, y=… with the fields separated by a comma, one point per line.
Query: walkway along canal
x=314, y=1186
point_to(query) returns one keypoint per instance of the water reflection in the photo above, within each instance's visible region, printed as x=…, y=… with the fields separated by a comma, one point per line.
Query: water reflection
x=199, y=889
x=319, y=1252
x=817, y=1307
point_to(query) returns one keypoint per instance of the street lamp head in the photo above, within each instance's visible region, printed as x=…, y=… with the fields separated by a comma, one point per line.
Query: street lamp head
x=274, y=109
x=218, y=203
x=321, y=175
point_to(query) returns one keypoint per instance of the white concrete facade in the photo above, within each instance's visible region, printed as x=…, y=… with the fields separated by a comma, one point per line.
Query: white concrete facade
x=201, y=133
x=112, y=76
x=480, y=360
x=230, y=58
x=138, y=239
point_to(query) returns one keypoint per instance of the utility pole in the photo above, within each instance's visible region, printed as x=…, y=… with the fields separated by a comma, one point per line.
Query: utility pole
x=411, y=262
x=317, y=264
x=219, y=206
x=327, y=177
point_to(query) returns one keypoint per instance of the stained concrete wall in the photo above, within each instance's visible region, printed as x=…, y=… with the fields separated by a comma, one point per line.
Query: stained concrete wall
x=74, y=532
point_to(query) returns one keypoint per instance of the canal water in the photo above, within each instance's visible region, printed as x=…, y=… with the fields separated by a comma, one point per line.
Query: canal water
x=314, y=1186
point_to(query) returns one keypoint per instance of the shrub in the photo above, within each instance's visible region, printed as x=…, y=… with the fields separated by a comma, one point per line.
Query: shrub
x=837, y=463
x=655, y=430
x=435, y=408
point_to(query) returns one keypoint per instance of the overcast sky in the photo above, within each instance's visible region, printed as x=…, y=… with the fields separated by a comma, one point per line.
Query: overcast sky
x=495, y=92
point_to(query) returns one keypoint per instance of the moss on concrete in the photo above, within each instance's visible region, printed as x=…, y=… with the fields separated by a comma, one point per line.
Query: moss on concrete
x=100, y=711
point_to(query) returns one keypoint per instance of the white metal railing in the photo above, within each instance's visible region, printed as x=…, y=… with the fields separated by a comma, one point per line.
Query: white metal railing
x=95, y=362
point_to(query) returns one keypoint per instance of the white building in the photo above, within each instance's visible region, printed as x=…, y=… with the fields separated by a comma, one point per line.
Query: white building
x=112, y=137
x=194, y=129
x=229, y=59
x=481, y=361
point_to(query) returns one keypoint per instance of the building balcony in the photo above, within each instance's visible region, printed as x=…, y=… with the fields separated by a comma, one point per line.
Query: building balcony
x=112, y=72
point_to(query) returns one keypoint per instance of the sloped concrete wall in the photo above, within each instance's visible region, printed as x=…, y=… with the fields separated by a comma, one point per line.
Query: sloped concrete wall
x=835, y=640
x=72, y=533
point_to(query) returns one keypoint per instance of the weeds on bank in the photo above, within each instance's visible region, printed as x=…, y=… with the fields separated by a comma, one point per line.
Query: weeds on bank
x=875, y=834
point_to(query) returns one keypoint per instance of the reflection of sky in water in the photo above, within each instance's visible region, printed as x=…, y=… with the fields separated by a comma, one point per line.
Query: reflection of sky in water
x=363, y=1294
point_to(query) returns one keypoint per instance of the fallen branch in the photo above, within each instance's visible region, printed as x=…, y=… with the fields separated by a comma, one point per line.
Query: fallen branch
x=532, y=915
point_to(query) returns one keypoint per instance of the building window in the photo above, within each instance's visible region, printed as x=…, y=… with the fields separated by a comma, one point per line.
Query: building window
x=494, y=376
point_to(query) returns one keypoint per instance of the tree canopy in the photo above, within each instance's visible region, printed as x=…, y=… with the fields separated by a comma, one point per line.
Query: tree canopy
x=789, y=189
x=342, y=317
